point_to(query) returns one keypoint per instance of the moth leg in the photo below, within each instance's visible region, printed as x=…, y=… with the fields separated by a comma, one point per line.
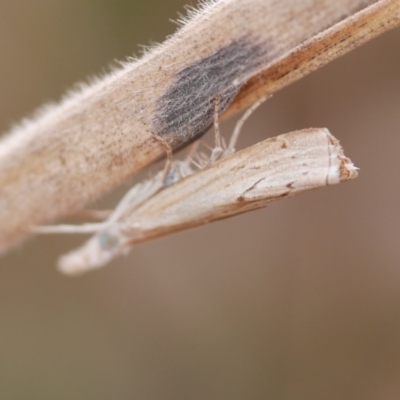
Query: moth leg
x=61, y=228
x=184, y=167
x=168, y=150
x=217, y=151
x=230, y=149
x=143, y=190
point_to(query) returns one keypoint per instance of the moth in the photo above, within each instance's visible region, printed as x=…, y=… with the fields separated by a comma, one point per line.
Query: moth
x=201, y=189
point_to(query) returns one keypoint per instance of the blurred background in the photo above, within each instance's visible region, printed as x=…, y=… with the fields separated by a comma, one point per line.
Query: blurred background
x=300, y=300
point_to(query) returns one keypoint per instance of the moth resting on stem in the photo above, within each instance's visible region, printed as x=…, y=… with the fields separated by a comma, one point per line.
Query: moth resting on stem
x=202, y=189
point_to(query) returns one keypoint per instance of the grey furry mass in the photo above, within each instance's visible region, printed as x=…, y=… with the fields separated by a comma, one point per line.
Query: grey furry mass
x=186, y=109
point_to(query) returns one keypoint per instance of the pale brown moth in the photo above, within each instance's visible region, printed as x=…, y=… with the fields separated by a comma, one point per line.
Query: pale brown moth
x=201, y=189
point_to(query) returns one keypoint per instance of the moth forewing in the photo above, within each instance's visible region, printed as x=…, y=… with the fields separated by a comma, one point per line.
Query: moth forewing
x=251, y=178
x=275, y=168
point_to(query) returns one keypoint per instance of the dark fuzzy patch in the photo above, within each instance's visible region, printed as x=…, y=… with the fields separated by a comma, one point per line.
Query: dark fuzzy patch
x=186, y=110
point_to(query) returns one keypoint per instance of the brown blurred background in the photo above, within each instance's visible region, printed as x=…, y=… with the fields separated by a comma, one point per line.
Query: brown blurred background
x=300, y=300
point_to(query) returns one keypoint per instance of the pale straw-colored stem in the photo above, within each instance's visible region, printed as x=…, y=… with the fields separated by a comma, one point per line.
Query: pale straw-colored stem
x=72, y=153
